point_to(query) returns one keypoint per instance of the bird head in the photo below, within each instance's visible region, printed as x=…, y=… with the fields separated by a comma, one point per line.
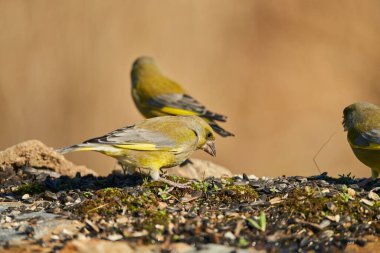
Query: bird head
x=209, y=145
x=143, y=66
x=356, y=112
x=205, y=135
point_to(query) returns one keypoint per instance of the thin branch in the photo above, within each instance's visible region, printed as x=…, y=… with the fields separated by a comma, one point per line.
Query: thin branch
x=98, y=207
x=321, y=148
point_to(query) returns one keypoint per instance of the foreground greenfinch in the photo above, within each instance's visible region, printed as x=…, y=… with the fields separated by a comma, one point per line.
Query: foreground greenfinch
x=152, y=144
x=362, y=123
x=156, y=95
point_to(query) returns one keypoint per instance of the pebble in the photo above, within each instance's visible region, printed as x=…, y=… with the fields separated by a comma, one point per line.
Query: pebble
x=25, y=196
x=351, y=192
x=373, y=195
x=367, y=202
x=229, y=235
x=114, y=237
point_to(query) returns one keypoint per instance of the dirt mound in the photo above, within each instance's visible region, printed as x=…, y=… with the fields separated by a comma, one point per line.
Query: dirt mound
x=37, y=155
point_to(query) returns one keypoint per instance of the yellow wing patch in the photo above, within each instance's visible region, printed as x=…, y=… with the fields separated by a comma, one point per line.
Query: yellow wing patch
x=177, y=111
x=147, y=147
x=372, y=146
x=86, y=148
x=138, y=146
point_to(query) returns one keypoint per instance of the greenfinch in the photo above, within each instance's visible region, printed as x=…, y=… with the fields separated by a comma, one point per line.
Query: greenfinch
x=362, y=123
x=152, y=144
x=156, y=95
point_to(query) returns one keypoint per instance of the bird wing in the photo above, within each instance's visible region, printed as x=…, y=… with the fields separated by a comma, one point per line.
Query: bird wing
x=182, y=104
x=367, y=140
x=136, y=139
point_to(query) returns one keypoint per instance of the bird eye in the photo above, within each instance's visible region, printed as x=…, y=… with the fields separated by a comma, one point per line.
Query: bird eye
x=209, y=135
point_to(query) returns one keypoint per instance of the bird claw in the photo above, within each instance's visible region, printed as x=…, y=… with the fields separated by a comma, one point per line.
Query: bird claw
x=175, y=184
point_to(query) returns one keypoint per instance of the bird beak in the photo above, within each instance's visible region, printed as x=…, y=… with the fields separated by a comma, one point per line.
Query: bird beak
x=209, y=148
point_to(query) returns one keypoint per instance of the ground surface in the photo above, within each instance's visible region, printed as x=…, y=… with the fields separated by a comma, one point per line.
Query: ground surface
x=294, y=213
x=41, y=211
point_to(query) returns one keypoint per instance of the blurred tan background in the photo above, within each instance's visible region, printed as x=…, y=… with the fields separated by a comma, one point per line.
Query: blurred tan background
x=281, y=70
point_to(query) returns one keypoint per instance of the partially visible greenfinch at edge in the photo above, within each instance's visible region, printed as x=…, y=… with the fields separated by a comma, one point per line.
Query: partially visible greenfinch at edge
x=362, y=123
x=156, y=95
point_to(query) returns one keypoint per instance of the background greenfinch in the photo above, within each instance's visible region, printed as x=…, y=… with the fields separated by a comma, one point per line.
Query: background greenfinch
x=152, y=144
x=362, y=123
x=156, y=95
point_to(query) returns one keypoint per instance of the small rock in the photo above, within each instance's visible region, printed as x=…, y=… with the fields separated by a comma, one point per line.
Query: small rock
x=114, y=237
x=351, y=192
x=92, y=226
x=25, y=196
x=230, y=236
x=325, y=190
x=159, y=237
x=50, y=195
x=331, y=206
x=324, y=224
x=54, y=237
x=7, y=219
x=159, y=227
x=373, y=195
x=327, y=233
x=367, y=202
x=122, y=220
x=275, y=200
x=67, y=232
x=335, y=218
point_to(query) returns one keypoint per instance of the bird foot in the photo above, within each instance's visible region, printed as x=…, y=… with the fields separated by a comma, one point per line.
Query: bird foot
x=174, y=184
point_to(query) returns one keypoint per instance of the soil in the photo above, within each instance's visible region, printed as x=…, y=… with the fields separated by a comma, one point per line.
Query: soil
x=231, y=213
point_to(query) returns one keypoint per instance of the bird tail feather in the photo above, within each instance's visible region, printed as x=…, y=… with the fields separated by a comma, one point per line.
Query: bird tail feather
x=214, y=116
x=74, y=148
x=218, y=129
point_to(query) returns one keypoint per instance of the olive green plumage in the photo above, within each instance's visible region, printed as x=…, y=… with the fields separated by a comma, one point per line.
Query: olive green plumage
x=152, y=144
x=156, y=95
x=362, y=123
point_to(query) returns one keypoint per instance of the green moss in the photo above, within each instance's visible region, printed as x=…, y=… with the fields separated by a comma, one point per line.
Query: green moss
x=310, y=205
x=245, y=192
x=234, y=193
x=34, y=188
x=145, y=206
x=243, y=243
x=110, y=201
x=200, y=186
x=154, y=218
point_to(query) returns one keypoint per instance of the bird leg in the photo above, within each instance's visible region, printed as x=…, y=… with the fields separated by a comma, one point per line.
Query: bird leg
x=163, y=171
x=127, y=169
x=155, y=175
x=123, y=167
x=375, y=173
